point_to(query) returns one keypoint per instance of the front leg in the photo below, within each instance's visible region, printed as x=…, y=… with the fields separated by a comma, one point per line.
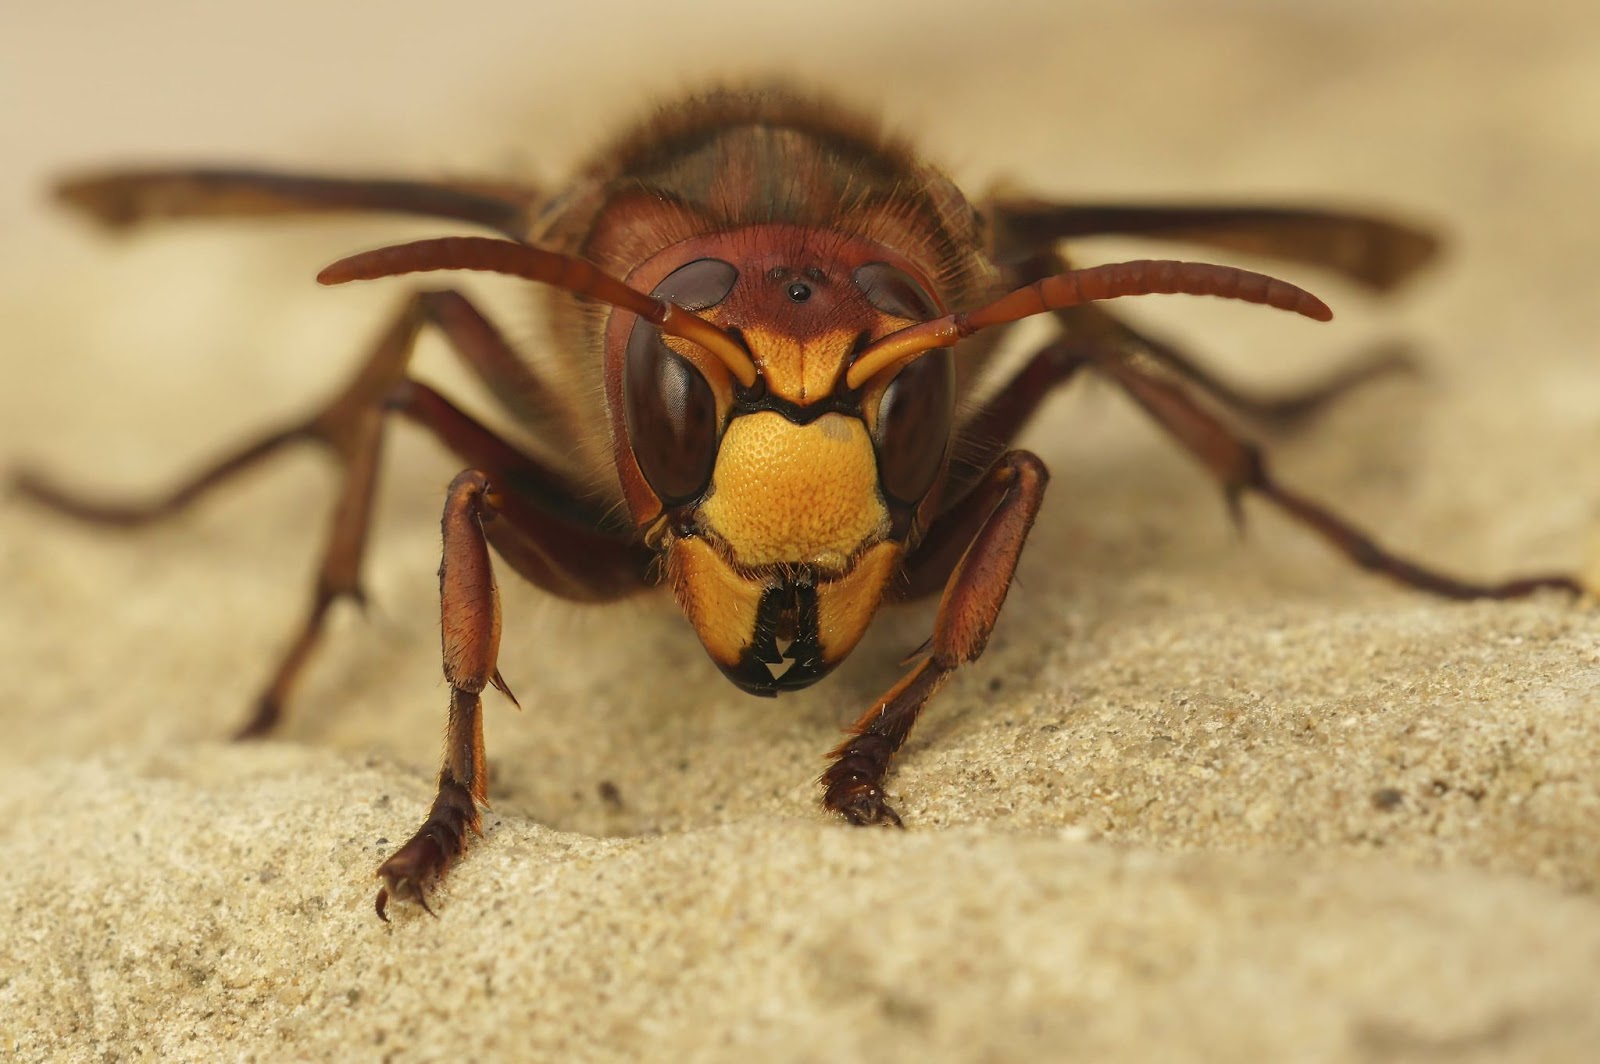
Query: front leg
x=1006, y=502
x=485, y=509
x=469, y=607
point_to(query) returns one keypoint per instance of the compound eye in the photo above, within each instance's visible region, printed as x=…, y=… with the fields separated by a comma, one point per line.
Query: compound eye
x=893, y=291
x=669, y=410
x=913, y=429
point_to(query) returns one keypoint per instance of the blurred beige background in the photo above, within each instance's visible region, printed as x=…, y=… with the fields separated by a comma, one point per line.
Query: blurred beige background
x=1158, y=821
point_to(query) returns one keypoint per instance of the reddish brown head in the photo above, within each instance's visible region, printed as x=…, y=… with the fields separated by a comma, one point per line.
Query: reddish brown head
x=783, y=507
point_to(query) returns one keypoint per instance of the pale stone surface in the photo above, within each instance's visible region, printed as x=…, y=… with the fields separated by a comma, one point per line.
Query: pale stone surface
x=1203, y=798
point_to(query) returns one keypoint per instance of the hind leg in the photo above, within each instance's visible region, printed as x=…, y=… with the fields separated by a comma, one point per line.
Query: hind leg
x=1240, y=467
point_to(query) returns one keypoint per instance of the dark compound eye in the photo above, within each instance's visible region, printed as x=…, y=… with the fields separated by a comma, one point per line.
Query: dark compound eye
x=893, y=291
x=669, y=409
x=799, y=292
x=913, y=428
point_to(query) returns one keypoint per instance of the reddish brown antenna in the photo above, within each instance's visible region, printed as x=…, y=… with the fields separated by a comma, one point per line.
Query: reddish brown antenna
x=548, y=267
x=1076, y=287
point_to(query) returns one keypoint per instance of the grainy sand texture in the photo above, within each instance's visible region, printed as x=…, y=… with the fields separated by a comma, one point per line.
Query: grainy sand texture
x=1206, y=797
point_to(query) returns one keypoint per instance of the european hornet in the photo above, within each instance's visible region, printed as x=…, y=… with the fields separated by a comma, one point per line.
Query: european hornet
x=780, y=314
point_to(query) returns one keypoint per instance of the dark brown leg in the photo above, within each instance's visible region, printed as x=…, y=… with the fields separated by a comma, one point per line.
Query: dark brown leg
x=991, y=428
x=40, y=489
x=1005, y=503
x=351, y=425
x=1093, y=336
x=120, y=199
x=443, y=836
x=479, y=512
x=1277, y=411
x=469, y=608
x=1375, y=252
x=1240, y=467
x=551, y=539
x=981, y=442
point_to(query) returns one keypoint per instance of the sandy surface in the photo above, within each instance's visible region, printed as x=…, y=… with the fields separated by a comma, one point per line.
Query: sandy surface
x=1203, y=799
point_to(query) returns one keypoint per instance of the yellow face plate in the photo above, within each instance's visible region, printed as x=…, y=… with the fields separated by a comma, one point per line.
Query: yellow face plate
x=788, y=494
